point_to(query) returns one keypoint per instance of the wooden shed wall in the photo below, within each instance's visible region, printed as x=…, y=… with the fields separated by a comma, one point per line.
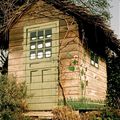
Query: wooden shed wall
x=70, y=46
x=43, y=13
x=94, y=79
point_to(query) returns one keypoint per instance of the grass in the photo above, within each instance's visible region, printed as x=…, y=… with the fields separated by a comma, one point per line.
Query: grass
x=84, y=104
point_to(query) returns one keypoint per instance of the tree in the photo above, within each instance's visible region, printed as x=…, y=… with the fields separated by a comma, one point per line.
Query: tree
x=97, y=7
x=7, y=12
x=7, y=9
x=114, y=82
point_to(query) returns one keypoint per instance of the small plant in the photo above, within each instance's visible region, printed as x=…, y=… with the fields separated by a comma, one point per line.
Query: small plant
x=12, y=99
x=71, y=68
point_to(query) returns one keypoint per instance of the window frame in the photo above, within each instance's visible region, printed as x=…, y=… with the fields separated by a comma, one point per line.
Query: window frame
x=94, y=59
x=41, y=42
x=55, y=30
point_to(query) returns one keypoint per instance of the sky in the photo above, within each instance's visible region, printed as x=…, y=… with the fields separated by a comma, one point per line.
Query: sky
x=115, y=20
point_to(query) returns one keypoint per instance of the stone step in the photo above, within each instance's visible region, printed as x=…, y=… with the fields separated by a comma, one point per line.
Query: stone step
x=40, y=115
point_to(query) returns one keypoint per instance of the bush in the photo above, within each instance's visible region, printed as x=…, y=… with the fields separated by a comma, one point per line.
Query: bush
x=110, y=114
x=12, y=99
x=64, y=113
x=106, y=114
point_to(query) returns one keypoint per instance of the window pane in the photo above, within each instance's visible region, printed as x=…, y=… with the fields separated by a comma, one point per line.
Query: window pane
x=48, y=43
x=40, y=54
x=40, y=44
x=96, y=59
x=48, y=33
x=32, y=45
x=33, y=36
x=48, y=53
x=32, y=55
x=92, y=62
x=92, y=56
x=40, y=35
x=96, y=65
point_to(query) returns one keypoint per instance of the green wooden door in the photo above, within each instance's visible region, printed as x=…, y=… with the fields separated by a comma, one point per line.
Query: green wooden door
x=42, y=65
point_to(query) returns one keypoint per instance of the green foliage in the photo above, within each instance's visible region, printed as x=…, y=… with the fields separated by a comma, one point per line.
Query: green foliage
x=88, y=110
x=71, y=68
x=84, y=104
x=108, y=114
x=113, y=93
x=12, y=99
x=97, y=7
x=67, y=113
x=105, y=114
x=75, y=62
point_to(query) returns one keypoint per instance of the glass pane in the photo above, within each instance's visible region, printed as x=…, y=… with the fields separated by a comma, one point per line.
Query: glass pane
x=32, y=45
x=33, y=36
x=48, y=53
x=40, y=54
x=40, y=35
x=40, y=44
x=48, y=33
x=96, y=59
x=32, y=55
x=92, y=62
x=48, y=43
x=92, y=56
x=96, y=65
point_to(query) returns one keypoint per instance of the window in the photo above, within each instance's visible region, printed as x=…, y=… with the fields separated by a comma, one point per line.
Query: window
x=41, y=44
x=94, y=59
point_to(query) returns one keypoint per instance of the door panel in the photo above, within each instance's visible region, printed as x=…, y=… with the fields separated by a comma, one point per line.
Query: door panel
x=35, y=77
x=42, y=66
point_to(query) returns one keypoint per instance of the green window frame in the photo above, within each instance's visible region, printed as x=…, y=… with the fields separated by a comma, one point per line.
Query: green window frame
x=94, y=59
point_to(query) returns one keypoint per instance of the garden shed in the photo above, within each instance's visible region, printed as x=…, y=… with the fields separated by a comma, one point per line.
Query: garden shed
x=59, y=49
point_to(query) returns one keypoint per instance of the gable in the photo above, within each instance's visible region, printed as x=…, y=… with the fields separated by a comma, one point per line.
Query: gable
x=106, y=37
x=37, y=11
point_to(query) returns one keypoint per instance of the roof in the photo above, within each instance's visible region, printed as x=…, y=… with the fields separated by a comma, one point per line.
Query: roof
x=98, y=36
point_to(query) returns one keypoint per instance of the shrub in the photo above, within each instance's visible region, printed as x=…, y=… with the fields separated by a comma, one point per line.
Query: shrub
x=64, y=113
x=12, y=99
x=110, y=114
x=106, y=114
